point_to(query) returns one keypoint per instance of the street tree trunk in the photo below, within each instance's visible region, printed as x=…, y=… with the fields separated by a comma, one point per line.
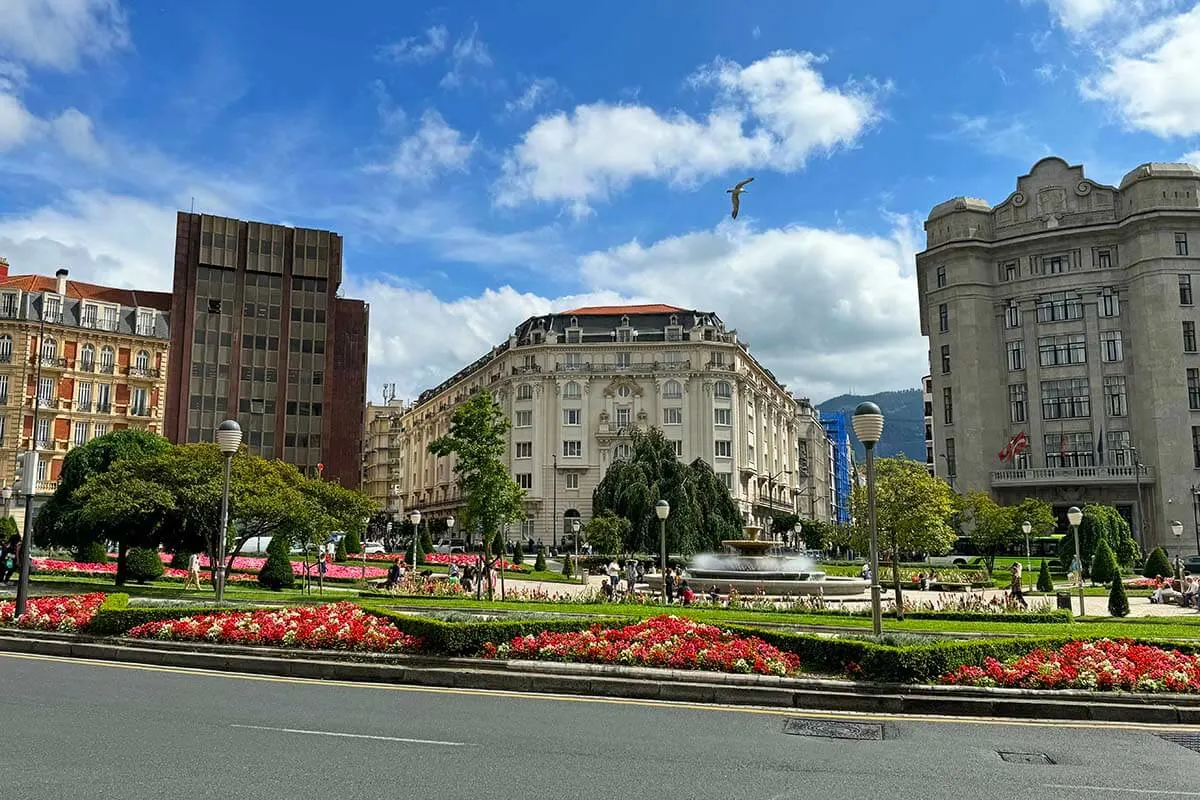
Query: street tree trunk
x=896, y=582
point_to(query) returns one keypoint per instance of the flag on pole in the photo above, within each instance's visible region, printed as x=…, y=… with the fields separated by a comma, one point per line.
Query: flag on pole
x=1020, y=444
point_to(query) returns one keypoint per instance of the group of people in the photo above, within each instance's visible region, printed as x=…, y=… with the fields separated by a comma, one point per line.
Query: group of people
x=1187, y=596
x=10, y=558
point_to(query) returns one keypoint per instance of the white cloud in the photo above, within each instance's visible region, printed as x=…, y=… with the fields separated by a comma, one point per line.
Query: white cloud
x=17, y=125
x=416, y=48
x=537, y=92
x=1081, y=15
x=1004, y=138
x=1192, y=158
x=75, y=133
x=12, y=77
x=59, y=34
x=1150, y=80
x=432, y=149
x=774, y=113
x=468, y=52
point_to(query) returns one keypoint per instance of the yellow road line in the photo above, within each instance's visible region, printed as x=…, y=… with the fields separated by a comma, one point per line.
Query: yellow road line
x=664, y=704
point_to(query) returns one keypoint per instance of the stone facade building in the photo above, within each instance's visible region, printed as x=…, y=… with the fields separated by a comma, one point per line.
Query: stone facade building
x=383, y=448
x=1066, y=316
x=576, y=382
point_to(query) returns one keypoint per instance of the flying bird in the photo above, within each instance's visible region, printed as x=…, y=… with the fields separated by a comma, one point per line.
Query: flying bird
x=736, y=195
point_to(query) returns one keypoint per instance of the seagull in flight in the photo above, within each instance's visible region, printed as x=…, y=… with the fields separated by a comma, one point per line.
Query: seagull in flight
x=736, y=195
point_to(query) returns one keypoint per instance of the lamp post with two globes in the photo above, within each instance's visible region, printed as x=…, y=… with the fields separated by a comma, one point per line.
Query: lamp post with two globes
x=868, y=428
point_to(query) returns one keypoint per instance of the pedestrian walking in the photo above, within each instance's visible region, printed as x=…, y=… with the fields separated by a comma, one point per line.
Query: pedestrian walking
x=193, y=571
x=1014, y=590
x=10, y=557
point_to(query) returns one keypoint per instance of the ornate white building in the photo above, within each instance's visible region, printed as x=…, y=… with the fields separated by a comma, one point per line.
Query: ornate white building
x=574, y=384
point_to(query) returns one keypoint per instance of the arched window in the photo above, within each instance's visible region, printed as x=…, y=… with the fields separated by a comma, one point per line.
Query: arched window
x=107, y=359
x=673, y=389
x=624, y=391
x=524, y=392
x=723, y=389
x=87, y=358
x=49, y=348
x=5, y=348
x=142, y=360
x=571, y=389
x=623, y=452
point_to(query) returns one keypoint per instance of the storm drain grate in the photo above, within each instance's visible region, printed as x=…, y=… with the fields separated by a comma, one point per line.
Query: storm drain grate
x=1189, y=740
x=1025, y=758
x=834, y=729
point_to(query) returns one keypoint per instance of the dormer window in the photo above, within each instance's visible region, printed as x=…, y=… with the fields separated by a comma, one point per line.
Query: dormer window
x=624, y=322
x=52, y=308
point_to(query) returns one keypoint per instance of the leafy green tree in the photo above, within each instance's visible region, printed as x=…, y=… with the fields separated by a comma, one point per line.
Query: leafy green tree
x=8, y=527
x=702, y=512
x=783, y=524
x=607, y=532
x=993, y=527
x=478, y=439
x=817, y=534
x=1104, y=563
x=276, y=572
x=353, y=543
x=913, y=510
x=1118, y=601
x=1158, y=564
x=1040, y=516
x=1101, y=522
x=143, y=564
x=1044, y=583
x=539, y=563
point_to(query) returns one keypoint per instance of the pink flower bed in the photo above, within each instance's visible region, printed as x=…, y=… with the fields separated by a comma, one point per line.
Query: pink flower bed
x=463, y=559
x=68, y=613
x=50, y=566
x=334, y=626
x=1103, y=664
x=670, y=642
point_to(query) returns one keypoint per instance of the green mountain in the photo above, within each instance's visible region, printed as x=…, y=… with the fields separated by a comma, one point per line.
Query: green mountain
x=903, y=421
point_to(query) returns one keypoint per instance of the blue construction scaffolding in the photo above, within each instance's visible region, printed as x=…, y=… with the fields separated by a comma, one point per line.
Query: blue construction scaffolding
x=837, y=427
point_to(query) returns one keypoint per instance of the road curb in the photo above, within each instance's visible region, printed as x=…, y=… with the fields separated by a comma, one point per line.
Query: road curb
x=610, y=681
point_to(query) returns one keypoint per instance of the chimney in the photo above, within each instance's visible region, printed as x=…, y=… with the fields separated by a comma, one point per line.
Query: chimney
x=60, y=278
x=3, y=267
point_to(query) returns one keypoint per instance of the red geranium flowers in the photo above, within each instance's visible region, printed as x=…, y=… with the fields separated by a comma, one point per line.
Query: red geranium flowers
x=69, y=613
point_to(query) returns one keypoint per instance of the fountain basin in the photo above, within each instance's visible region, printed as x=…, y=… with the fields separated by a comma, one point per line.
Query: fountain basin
x=825, y=585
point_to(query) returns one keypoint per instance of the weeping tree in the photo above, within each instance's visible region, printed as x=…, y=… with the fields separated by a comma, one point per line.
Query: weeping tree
x=702, y=512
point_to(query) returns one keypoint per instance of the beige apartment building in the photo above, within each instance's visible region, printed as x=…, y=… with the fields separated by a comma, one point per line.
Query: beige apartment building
x=383, y=448
x=94, y=357
x=1066, y=314
x=575, y=383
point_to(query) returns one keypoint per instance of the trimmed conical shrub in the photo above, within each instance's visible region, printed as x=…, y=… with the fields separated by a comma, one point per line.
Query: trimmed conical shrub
x=277, y=572
x=339, y=552
x=1044, y=583
x=1158, y=564
x=353, y=543
x=568, y=569
x=518, y=556
x=1118, y=603
x=539, y=563
x=1104, y=564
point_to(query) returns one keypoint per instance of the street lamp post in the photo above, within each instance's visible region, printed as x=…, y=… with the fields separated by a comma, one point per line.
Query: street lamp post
x=388, y=536
x=229, y=439
x=868, y=427
x=575, y=526
x=797, y=529
x=1026, y=527
x=663, y=509
x=415, y=519
x=449, y=545
x=1177, y=531
x=1075, y=516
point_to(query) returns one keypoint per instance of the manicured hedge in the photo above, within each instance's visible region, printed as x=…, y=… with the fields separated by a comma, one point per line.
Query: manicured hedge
x=115, y=617
x=1051, y=617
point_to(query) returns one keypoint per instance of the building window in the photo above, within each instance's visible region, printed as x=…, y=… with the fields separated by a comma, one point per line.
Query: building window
x=85, y=397
x=5, y=349
x=8, y=305
x=45, y=391
x=100, y=429
x=723, y=448
x=43, y=434
x=141, y=362
x=1114, y=395
x=525, y=480
x=1119, y=448
x=1016, y=355
x=1110, y=303
x=951, y=461
x=49, y=349
x=103, y=398
x=87, y=358
x=523, y=419
x=1189, y=337
x=524, y=392
x=1104, y=258
x=572, y=448
x=1012, y=315
x=1009, y=271
x=1057, y=351
x=3, y=390
x=941, y=277
x=1018, y=396
x=1066, y=399
x=672, y=416
x=80, y=433
x=574, y=361
x=673, y=389
x=723, y=389
x=1054, y=265
x=722, y=417
x=678, y=445
x=145, y=323
x=572, y=479
x=108, y=360
x=571, y=389
x=572, y=416
x=51, y=309
x=945, y=359
x=1185, y=290
x=623, y=361
x=947, y=406
x=1069, y=449
x=139, y=403
x=1181, y=244
x=624, y=415
x=943, y=317
x=1193, y=386
x=1110, y=346
x=524, y=449
x=1059, y=307
x=1196, y=447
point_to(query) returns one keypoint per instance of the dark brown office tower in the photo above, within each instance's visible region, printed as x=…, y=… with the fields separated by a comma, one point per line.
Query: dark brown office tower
x=258, y=334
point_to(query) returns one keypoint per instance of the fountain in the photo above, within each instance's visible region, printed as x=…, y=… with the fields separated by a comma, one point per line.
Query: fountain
x=750, y=569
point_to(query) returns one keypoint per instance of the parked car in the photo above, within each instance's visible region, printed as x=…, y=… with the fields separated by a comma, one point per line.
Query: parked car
x=450, y=546
x=1192, y=564
x=373, y=548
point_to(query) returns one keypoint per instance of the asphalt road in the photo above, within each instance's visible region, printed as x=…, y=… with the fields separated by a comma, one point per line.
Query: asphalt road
x=91, y=730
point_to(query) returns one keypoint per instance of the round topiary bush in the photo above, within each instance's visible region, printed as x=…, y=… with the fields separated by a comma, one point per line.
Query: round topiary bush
x=143, y=565
x=1158, y=564
x=539, y=563
x=353, y=543
x=277, y=572
x=1118, y=602
x=92, y=553
x=1044, y=583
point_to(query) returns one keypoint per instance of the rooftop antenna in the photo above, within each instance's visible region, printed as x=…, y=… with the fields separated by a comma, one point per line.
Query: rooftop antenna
x=389, y=393
x=193, y=211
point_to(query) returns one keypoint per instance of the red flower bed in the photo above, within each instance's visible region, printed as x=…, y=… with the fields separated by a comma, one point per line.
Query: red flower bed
x=68, y=613
x=334, y=626
x=669, y=642
x=50, y=566
x=1104, y=664
x=463, y=559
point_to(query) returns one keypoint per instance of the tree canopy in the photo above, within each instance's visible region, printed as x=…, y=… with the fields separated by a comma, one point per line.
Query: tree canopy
x=607, y=533
x=994, y=528
x=1101, y=521
x=702, y=512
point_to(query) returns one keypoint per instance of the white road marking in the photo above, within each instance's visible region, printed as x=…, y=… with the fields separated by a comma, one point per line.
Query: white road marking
x=352, y=736
x=1119, y=789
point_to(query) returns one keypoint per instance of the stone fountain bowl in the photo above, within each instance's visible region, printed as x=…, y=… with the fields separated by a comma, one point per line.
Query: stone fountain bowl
x=748, y=583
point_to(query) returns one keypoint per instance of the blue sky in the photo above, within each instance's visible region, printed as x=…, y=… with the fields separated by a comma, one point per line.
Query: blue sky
x=489, y=161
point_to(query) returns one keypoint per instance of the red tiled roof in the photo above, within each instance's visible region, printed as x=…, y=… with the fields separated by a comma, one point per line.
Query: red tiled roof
x=90, y=291
x=598, y=311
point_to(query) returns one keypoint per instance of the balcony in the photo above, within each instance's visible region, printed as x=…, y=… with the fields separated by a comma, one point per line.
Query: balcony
x=46, y=487
x=106, y=369
x=50, y=362
x=145, y=373
x=140, y=411
x=84, y=406
x=104, y=407
x=580, y=367
x=1051, y=476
